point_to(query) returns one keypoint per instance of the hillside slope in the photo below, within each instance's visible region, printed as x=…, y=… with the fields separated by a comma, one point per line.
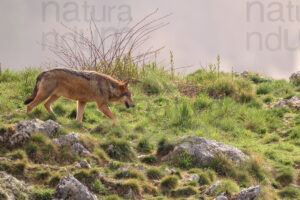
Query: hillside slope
x=239, y=110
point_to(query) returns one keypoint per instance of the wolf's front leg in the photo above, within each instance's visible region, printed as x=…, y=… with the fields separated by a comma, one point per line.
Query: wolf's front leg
x=107, y=112
x=80, y=110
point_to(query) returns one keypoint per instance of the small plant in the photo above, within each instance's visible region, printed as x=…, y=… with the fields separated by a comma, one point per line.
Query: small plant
x=154, y=173
x=182, y=115
x=112, y=197
x=184, y=192
x=144, y=146
x=169, y=182
x=132, y=184
x=99, y=188
x=87, y=177
x=59, y=110
x=119, y=150
x=114, y=165
x=17, y=155
x=285, y=176
x=149, y=159
x=227, y=186
x=264, y=88
x=289, y=192
x=202, y=102
x=207, y=177
x=43, y=194
x=164, y=147
x=54, y=180
x=42, y=175
x=184, y=161
x=127, y=174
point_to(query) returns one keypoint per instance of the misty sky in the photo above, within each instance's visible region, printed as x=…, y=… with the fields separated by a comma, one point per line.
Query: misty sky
x=262, y=36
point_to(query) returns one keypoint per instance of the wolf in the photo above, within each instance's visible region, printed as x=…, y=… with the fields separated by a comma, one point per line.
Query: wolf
x=82, y=86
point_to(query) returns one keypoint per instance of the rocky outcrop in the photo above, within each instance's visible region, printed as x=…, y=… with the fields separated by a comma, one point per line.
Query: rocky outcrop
x=11, y=188
x=293, y=102
x=83, y=165
x=295, y=76
x=248, y=194
x=69, y=188
x=221, y=197
x=72, y=139
x=204, y=151
x=23, y=130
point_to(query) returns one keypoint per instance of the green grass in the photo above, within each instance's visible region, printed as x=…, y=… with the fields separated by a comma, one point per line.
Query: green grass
x=226, y=107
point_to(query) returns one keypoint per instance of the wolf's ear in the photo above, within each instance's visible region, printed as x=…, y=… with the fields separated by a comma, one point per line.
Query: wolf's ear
x=125, y=83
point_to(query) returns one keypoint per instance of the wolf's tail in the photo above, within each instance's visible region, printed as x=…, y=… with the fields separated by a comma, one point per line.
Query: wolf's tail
x=35, y=90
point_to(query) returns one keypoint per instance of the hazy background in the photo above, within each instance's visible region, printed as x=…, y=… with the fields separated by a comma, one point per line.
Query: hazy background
x=198, y=31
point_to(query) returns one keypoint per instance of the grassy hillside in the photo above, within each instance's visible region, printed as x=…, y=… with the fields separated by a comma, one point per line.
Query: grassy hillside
x=229, y=108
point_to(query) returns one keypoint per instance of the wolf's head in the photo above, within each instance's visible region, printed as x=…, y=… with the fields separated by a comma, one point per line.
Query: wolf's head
x=125, y=96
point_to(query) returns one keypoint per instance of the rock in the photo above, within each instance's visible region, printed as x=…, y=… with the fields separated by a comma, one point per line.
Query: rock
x=248, y=194
x=295, y=76
x=194, y=177
x=69, y=139
x=212, y=188
x=72, y=139
x=79, y=149
x=83, y=165
x=221, y=197
x=131, y=195
x=23, y=130
x=293, y=102
x=11, y=188
x=69, y=188
x=204, y=151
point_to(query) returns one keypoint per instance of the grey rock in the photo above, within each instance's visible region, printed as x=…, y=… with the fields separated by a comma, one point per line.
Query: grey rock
x=12, y=188
x=248, y=194
x=23, y=130
x=85, y=164
x=69, y=139
x=293, y=102
x=221, y=197
x=69, y=188
x=295, y=76
x=212, y=188
x=194, y=177
x=204, y=151
x=79, y=149
x=72, y=139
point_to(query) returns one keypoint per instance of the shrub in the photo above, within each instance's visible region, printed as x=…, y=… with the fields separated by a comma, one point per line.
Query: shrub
x=184, y=192
x=285, y=176
x=220, y=88
x=43, y=194
x=119, y=150
x=132, y=184
x=42, y=175
x=87, y=177
x=154, y=173
x=144, y=146
x=223, y=166
x=17, y=155
x=184, y=161
x=182, y=115
x=264, y=88
x=227, y=186
x=289, y=192
x=169, y=182
x=150, y=189
x=201, y=102
x=268, y=99
x=150, y=159
x=54, y=180
x=256, y=170
x=99, y=188
x=102, y=155
x=127, y=174
x=114, y=165
x=164, y=147
x=207, y=177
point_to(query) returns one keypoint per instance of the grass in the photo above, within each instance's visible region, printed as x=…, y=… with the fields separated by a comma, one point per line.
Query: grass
x=225, y=107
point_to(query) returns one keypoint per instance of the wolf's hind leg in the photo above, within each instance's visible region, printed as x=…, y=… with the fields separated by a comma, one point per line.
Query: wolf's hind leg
x=107, y=112
x=80, y=110
x=37, y=100
x=49, y=102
